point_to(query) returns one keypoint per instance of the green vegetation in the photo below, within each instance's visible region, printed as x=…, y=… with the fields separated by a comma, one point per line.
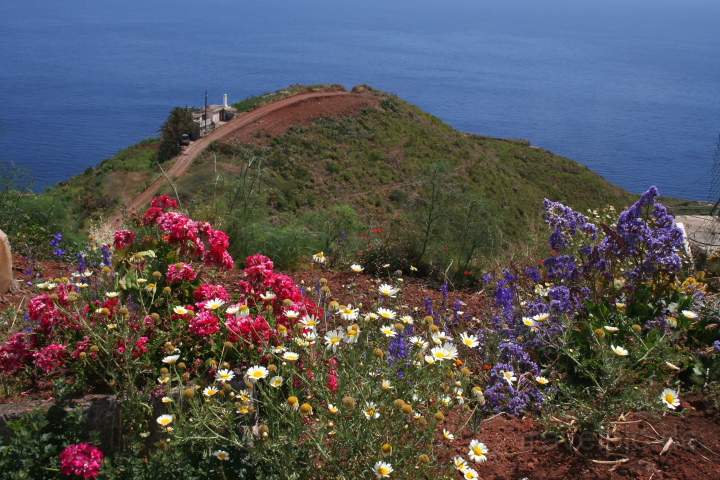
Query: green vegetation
x=442, y=195
x=412, y=190
x=178, y=123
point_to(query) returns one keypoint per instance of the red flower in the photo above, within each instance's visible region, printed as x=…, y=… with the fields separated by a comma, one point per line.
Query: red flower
x=51, y=357
x=141, y=347
x=164, y=202
x=255, y=330
x=208, y=291
x=123, y=239
x=81, y=459
x=15, y=353
x=205, y=324
x=179, y=272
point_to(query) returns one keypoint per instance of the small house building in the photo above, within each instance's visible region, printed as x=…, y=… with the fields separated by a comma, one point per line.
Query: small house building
x=212, y=116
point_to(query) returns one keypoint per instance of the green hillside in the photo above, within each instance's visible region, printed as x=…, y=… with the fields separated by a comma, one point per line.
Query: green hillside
x=392, y=182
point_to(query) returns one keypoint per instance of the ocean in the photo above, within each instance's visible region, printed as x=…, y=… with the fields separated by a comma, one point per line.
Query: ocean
x=629, y=88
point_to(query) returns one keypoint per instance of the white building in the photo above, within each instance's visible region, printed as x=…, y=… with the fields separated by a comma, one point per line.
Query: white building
x=208, y=118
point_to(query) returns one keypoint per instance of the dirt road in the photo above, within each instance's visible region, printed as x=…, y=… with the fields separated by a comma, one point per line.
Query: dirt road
x=182, y=162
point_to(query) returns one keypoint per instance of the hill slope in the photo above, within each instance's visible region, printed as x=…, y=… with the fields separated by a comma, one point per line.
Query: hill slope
x=428, y=192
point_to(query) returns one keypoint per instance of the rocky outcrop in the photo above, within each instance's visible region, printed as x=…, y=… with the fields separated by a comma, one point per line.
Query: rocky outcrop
x=6, y=275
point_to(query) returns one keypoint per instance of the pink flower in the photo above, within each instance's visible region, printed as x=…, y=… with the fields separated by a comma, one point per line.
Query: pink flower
x=141, y=347
x=208, y=291
x=123, y=239
x=51, y=357
x=15, y=353
x=43, y=311
x=255, y=330
x=204, y=324
x=81, y=459
x=164, y=202
x=179, y=272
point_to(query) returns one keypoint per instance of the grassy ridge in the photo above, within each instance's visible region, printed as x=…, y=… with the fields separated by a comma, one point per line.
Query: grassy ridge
x=451, y=195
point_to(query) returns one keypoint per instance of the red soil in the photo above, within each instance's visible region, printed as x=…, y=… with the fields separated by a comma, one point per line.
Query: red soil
x=302, y=113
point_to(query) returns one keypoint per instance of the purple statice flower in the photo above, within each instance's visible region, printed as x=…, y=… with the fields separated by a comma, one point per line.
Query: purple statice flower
x=716, y=346
x=562, y=268
x=445, y=291
x=56, y=243
x=487, y=278
x=106, y=255
x=647, y=236
x=566, y=223
x=533, y=273
x=82, y=262
x=428, y=303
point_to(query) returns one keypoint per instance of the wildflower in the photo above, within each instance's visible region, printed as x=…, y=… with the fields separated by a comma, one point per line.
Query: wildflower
x=541, y=317
x=112, y=294
x=210, y=391
x=478, y=451
x=333, y=338
x=388, y=290
x=214, y=304
x=356, y=268
x=529, y=322
x=306, y=409
x=370, y=316
x=460, y=463
x=256, y=373
x=290, y=356
x=224, y=375
x=386, y=385
x=276, y=381
x=611, y=329
x=619, y=351
x=319, y=258
x=332, y=408
x=166, y=400
x=371, y=411
x=293, y=402
x=221, y=455
x=386, y=313
x=670, y=398
x=388, y=330
x=469, y=341
x=508, y=376
x=419, y=342
x=349, y=313
x=171, y=359
x=689, y=314
x=81, y=459
x=470, y=474
x=445, y=352
x=308, y=321
x=51, y=357
x=406, y=319
x=164, y=420
x=447, y=435
x=542, y=380
x=204, y=324
x=386, y=449
x=382, y=470
x=353, y=333
x=268, y=296
x=180, y=310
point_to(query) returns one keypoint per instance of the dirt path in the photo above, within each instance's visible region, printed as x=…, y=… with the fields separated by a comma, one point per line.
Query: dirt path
x=182, y=162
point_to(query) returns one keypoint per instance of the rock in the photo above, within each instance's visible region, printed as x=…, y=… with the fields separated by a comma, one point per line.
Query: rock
x=6, y=275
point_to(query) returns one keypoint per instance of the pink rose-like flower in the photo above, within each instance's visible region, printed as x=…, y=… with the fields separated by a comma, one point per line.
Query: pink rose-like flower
x=204, y=324
x=179, y=272
x=51, y=357
x=208, y=291
x=123, y=239
x=81, y=459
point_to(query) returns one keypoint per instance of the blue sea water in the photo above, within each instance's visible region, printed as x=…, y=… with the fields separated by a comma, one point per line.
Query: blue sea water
x=630, y=88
